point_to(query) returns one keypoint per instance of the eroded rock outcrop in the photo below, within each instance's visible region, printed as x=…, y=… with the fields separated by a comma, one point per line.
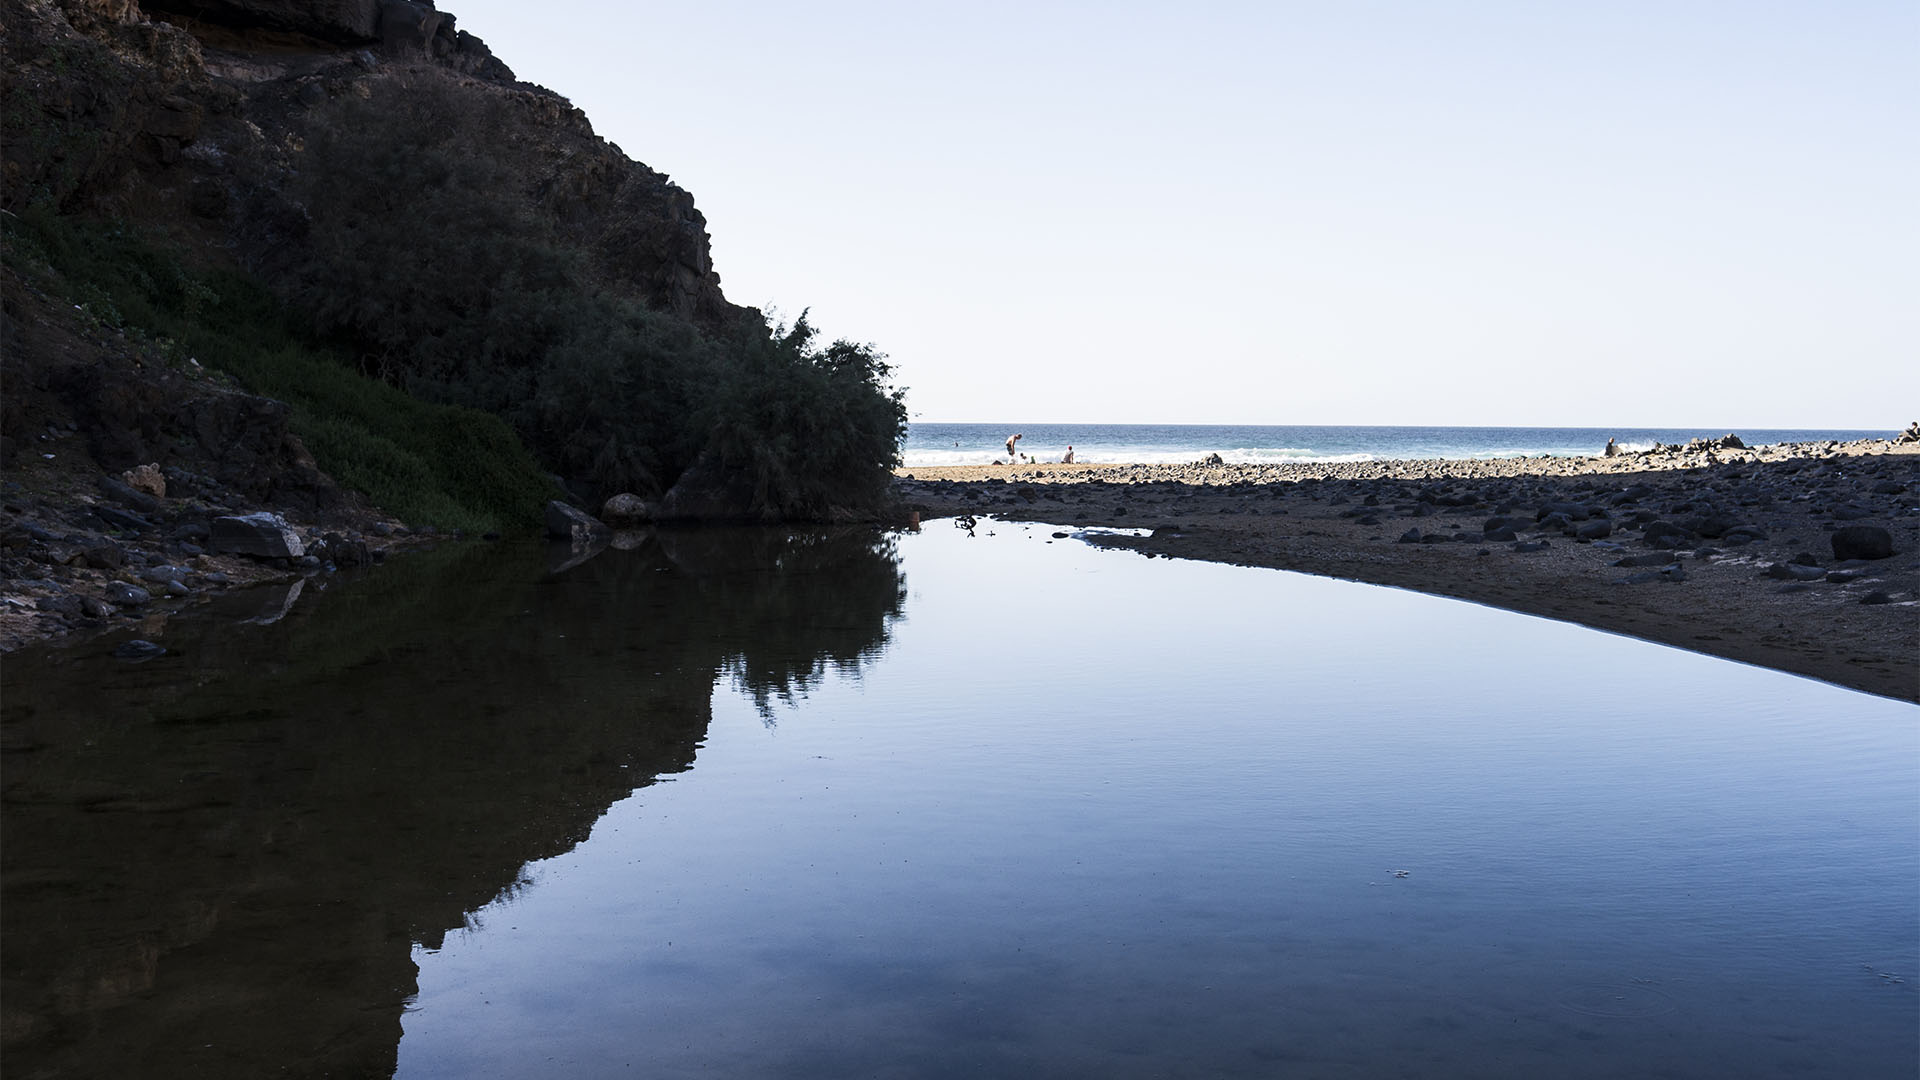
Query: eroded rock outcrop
x=199, y=111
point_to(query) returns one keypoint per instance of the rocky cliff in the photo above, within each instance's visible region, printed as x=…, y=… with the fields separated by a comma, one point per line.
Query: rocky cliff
x=195, y=115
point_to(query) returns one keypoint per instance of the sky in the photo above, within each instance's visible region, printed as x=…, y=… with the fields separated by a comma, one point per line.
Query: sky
x=1542, y=212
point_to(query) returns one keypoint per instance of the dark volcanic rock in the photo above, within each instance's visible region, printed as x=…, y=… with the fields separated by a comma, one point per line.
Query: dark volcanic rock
x=626, y=510
x=341, y=22
x=125, y=595
x=566, y=522
x=709, y=492
x=1665, y=534
x=1862, y=542
x=105, y=557
x=343, y=551
x=116, y=518
x=138, y=649
x=261, y=534
x=407, y=26
x=1573, y=511
x=128, y=496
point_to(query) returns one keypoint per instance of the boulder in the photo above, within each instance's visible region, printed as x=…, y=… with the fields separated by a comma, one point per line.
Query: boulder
x=124, y=595
x=116, y=518
x=1862, y=542
x=1711, y=525
x=1665, y=534
x=132, y=499
x=1794, y=572
x=626, y=510
x=344, y=551
x=1598, y=529
x=707, y=491
x=262, y=534
x=565, y=522
x=105, y=557
x=146, y=478
x=1572, y=511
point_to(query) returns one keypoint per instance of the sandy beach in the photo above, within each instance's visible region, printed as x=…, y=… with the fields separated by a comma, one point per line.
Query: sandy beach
x=1769, y=555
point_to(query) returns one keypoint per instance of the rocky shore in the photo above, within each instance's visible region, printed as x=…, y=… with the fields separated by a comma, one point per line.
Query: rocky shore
x=77, y=563
x=1799, y=557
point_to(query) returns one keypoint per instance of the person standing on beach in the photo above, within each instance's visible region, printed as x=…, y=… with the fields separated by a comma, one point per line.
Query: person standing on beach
x=1011, y=439
x=1068, y=460
x=1612, y=450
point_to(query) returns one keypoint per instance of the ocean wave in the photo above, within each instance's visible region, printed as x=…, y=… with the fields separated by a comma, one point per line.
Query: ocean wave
x=1136, y=455
x=930, y=458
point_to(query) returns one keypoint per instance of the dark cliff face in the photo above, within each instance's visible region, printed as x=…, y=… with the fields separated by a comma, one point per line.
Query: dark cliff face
x=194, y=115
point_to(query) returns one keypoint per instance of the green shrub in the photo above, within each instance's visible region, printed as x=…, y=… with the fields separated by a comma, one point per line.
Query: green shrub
x=450, y=283
x=444, y=465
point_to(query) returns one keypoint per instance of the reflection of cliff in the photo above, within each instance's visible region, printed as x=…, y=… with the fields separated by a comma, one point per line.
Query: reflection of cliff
x=216, y=863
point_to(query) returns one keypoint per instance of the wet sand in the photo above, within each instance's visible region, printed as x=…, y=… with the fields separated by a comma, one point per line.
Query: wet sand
x=1726, y=551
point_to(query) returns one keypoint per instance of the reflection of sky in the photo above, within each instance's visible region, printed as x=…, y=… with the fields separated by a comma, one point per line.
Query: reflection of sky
x=1093, y=814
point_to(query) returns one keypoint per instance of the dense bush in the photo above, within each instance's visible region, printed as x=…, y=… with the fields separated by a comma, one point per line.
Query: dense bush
x=443, y=465
x=810, y=428
x=451, y=283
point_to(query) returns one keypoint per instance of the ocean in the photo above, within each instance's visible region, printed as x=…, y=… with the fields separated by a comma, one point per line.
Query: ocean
x=982, y=444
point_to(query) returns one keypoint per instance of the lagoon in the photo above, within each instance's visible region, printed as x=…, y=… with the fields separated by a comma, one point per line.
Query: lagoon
x=944, y=804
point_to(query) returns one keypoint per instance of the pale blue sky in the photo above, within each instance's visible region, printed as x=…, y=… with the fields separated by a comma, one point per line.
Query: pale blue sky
x=1620, y=213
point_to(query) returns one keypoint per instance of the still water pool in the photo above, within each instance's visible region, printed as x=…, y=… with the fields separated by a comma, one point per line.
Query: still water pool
x=937, y=805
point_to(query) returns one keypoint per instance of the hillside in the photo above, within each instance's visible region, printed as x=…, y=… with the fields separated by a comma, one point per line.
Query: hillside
x=375, y=183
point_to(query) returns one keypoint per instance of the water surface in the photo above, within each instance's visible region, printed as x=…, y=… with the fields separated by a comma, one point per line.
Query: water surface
x=940, y=805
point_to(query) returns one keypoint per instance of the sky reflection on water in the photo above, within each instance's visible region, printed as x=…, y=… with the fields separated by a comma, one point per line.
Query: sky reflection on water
x=1087, y=814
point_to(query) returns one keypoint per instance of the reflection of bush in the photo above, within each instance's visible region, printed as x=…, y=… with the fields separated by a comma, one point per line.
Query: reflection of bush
x=794, y=604
x=358, y=775
x=460, y=287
